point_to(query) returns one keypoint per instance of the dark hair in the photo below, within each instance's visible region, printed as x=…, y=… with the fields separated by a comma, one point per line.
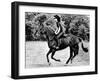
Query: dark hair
x=57, y=17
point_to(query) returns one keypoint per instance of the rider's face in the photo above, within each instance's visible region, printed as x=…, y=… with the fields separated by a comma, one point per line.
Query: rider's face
x=55, y=19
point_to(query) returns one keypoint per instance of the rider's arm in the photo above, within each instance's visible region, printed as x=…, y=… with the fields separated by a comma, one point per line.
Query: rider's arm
x=57, y=31
x=61, y=32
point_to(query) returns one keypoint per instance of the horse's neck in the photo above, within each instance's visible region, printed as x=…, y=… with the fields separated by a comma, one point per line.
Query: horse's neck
x=49, y=34
x=47, y=37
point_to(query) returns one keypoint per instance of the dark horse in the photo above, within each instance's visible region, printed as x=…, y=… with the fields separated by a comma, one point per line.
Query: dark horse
x=69, y=40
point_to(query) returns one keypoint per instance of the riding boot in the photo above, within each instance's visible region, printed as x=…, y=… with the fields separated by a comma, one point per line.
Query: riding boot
x=56, y=44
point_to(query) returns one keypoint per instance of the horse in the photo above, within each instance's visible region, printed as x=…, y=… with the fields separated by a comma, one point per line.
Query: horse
x=69, y=40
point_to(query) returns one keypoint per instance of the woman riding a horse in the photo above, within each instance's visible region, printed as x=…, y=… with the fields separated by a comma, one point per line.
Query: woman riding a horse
x=59, y=33
x=58, y=36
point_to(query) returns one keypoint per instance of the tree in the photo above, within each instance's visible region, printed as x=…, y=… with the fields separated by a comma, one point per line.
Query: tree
x=77, y=25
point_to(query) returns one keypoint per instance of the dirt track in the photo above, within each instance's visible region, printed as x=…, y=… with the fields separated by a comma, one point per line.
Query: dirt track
x=36, y=56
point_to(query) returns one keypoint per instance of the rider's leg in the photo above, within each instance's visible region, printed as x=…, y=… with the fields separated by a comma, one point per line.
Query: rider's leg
x=56, y=44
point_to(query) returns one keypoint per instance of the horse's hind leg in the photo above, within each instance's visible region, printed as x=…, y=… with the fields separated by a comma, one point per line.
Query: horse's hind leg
x=76, y=49
x=71, y=55
x=52, y=56
x=48, y=56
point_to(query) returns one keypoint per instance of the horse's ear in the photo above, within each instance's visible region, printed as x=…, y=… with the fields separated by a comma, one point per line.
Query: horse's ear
x=42, y=30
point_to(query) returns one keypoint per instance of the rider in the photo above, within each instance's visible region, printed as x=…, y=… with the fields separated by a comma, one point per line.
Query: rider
x=60, y=30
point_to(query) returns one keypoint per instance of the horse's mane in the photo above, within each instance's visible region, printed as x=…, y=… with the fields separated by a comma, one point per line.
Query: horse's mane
x=50, y=30
x=49, y=33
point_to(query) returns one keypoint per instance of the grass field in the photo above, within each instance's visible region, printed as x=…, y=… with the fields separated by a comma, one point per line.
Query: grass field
x=36, y=56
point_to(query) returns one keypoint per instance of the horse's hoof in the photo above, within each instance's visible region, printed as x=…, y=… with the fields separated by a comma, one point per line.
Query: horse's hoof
x=71, y=62
x=59, y=60
x=66, y=62
x=65, y=65
x=49, y=64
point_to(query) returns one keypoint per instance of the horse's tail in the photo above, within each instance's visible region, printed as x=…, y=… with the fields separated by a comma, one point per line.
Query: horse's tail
x=84, y=49
x=80, y=40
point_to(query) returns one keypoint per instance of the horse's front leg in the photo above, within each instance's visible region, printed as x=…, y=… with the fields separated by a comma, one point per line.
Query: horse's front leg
x=48, y=56
x=52, y=56
x=71, y=55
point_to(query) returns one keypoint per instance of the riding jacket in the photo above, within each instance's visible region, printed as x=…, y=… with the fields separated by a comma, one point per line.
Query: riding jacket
x=60, y=31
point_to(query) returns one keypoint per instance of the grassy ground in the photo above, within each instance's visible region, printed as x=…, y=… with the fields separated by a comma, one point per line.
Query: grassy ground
x=36, y=56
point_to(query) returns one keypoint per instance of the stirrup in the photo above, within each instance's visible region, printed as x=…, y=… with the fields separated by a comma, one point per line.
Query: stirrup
x=65, y=35
x=57, y=47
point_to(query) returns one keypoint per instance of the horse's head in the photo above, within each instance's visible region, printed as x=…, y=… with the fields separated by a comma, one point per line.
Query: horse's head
x=46, y=29
x=40, y=31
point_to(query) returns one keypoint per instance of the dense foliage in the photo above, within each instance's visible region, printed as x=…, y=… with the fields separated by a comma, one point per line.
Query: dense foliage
x=75, y=24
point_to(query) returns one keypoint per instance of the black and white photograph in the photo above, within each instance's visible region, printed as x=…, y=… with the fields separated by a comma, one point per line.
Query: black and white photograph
x=54, y=39
x=51, y=40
